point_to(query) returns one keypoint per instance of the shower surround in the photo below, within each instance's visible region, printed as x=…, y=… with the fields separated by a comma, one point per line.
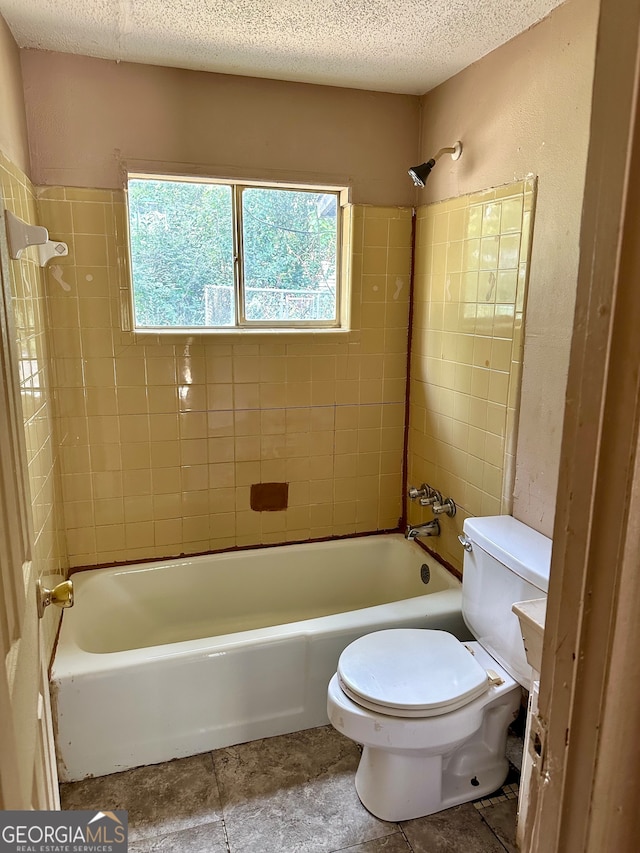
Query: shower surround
x=471, y=272
x=162, y=436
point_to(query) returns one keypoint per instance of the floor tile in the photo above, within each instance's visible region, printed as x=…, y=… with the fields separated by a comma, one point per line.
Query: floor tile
x=456, y=830
x=391, y=844
x=294, y=794
x=207, y=838
x=160, y=799
x=502, y=820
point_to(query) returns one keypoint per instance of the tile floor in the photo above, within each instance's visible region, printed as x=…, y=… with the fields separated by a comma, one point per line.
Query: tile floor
x=288, y=794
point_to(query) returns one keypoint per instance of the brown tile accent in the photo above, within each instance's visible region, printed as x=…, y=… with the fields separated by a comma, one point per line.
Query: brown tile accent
x=269, y=497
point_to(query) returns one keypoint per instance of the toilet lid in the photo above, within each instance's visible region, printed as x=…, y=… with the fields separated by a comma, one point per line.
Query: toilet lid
x=411, y=672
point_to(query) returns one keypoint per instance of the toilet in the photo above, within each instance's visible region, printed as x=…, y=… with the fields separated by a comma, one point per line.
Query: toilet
x=432, y=711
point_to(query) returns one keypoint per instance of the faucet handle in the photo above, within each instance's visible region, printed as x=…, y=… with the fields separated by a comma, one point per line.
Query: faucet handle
x=446, y=507
x=413, y=494
x=434, y=497
x=426, y=495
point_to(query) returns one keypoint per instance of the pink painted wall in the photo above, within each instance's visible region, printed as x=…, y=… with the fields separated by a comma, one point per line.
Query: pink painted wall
x=88, y=118
x=525, y=110
x=13, y=123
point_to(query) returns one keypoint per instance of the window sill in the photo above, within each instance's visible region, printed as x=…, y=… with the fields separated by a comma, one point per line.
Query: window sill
x=195, y=332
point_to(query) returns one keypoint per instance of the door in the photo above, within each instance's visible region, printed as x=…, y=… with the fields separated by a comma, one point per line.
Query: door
x=28, y=778
x=586, y=782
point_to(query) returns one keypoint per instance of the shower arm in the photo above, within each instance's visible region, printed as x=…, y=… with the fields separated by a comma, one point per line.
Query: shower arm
x=442, y=151
x=455, y=151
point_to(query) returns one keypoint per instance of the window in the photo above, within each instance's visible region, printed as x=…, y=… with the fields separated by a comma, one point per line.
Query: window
x=207, y=255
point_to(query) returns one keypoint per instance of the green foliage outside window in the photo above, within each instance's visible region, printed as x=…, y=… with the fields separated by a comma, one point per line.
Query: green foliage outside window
x=182, y=254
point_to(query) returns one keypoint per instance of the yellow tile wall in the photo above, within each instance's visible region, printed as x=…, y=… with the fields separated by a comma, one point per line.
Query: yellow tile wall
x=466, y=353
x=36, y=386
x=161, y=437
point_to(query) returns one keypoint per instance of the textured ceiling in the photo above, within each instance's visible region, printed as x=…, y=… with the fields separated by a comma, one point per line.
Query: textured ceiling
x=386, y=45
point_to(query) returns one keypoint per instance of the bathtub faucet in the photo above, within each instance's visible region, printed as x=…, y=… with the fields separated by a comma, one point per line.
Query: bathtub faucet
x=430, y=528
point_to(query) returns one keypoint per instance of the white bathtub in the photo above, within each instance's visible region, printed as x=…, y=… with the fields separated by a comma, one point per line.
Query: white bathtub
x=168, y=659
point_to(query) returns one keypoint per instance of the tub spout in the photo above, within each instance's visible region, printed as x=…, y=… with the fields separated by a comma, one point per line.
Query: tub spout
x=430, y=528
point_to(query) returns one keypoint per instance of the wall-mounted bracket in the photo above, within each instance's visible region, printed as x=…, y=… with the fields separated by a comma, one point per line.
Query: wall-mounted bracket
x=21, y=235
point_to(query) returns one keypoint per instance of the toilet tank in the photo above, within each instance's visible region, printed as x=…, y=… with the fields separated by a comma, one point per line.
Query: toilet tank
x=508, y=562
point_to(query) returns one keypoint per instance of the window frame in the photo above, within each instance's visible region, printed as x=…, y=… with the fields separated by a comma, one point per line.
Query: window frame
x=341, y=323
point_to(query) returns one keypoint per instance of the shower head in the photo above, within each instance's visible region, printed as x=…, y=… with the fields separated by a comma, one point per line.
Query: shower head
x=420, y=173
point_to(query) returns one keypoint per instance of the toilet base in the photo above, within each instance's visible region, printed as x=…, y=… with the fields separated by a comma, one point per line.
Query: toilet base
x=402, y=786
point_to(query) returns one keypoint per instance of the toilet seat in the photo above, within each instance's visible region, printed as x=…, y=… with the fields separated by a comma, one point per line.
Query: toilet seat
x=410, y=672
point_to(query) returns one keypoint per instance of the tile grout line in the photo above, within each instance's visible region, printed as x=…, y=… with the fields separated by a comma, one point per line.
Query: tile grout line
x=499, y=840
x=379, y=838
x=404, y=835
x=226, y=835
x=222, y=820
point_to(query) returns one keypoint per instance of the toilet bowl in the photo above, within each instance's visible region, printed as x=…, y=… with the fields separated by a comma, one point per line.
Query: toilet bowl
x=430, y=711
